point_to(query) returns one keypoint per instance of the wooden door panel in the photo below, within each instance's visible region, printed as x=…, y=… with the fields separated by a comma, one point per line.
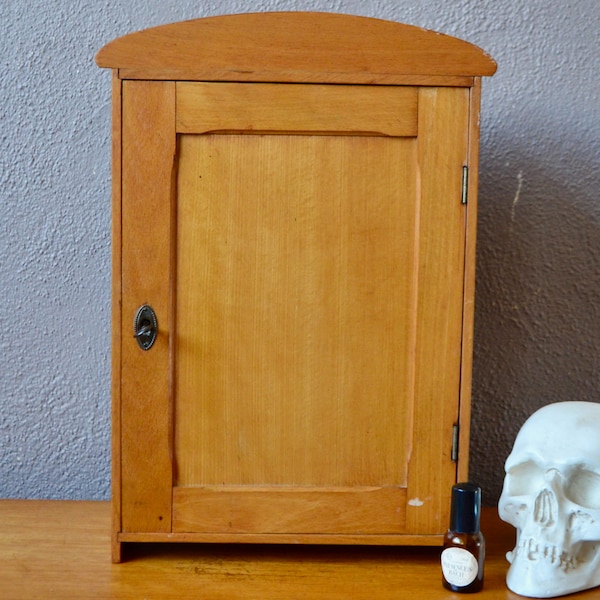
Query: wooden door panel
x=295, y=310
x=307, y=265
x=302, y=358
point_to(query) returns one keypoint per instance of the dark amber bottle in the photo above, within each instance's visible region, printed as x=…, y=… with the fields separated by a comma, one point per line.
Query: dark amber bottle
x=464, y=545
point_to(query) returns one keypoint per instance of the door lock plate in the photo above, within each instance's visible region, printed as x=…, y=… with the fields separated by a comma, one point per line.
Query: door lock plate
x=145, y=327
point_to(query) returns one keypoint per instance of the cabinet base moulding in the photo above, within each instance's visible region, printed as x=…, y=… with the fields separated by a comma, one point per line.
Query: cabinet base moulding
x=284, y=538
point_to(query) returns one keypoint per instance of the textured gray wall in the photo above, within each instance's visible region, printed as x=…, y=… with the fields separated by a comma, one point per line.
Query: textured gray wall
x=538, y=292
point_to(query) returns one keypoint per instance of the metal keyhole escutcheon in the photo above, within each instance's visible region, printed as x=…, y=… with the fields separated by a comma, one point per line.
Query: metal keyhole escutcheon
x=145, y=326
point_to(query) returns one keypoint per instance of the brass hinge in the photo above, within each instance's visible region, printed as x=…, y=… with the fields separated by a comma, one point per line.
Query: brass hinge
x=454, y=453
x=465, y=185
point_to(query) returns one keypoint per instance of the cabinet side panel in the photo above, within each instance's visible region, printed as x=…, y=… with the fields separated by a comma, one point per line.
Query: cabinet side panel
x=442, y=152
x=116, y=316
x=148, y=154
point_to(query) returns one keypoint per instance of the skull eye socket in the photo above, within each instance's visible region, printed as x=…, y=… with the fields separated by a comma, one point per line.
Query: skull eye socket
x=584, y=488
x=525, y=479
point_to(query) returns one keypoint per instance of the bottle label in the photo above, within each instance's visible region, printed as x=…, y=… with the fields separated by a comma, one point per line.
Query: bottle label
x=459, y=566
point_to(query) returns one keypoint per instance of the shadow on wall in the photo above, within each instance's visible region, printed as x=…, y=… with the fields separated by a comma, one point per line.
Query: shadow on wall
x=537, y=320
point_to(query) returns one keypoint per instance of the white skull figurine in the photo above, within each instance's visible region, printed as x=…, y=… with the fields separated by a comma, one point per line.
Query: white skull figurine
x=551, y=495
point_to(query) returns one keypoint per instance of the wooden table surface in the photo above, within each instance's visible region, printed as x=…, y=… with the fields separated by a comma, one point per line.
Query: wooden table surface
x=61, y=550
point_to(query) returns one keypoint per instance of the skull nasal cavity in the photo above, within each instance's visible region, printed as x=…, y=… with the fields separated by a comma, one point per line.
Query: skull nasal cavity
x=545, y=508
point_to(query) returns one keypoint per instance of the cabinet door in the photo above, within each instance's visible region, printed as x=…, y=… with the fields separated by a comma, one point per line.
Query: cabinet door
x=303, y=247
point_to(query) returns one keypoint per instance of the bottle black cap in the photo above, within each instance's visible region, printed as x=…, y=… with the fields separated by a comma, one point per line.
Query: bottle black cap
x=465, y=509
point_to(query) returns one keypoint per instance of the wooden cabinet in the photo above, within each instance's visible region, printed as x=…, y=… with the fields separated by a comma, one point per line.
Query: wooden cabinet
x=295, y=199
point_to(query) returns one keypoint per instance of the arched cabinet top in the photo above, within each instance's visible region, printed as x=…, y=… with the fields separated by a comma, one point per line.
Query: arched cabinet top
x=304, y=47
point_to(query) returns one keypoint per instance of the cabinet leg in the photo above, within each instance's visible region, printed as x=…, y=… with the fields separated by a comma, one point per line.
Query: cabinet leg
x=116, y=549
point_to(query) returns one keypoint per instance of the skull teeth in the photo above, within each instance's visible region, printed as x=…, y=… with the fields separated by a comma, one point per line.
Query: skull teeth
x=534, y=551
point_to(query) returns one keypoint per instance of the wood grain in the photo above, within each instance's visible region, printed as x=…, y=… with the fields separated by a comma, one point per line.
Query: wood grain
x=294, y=310
x=289, y=510
x=312, y=268
x=61, y=549
x=301, y=47
x=469, y=304
x=442, y=152
x=117, y=280
x=148, y=155
x=345, y=109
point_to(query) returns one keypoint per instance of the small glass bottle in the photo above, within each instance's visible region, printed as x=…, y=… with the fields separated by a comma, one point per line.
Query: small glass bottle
x=464, y=545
